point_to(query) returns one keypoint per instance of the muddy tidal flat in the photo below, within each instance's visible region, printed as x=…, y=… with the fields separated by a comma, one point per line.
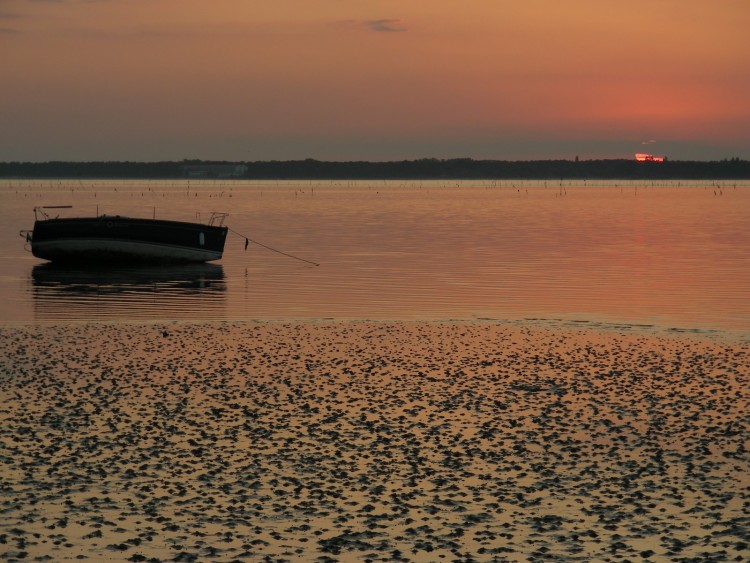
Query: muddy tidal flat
x=355, y=441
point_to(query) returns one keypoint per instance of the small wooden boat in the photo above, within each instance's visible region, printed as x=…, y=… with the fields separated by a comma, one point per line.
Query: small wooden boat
x=114, y=238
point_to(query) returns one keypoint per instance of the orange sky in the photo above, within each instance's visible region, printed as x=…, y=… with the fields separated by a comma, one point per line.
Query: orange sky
x=375, y=80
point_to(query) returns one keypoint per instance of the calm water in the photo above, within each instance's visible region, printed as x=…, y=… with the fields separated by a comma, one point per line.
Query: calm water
x=669, y=254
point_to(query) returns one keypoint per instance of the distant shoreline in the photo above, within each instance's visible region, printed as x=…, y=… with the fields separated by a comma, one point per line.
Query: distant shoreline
x=423, y=169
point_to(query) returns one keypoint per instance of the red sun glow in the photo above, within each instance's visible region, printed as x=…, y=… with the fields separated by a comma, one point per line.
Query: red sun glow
x=643, y=157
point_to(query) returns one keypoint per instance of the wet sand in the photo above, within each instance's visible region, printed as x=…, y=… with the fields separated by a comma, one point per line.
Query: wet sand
x=371, y=442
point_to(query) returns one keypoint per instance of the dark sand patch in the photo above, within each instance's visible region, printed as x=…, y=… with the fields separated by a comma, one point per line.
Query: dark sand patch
x=371, y=441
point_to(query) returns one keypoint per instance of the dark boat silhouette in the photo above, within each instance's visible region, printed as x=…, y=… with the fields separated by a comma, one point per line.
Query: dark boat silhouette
x=115, y=238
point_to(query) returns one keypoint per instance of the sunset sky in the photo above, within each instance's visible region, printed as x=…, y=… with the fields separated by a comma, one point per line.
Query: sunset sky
x=373, y=80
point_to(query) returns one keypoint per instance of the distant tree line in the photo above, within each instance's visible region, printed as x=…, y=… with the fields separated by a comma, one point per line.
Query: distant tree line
x=428, y=168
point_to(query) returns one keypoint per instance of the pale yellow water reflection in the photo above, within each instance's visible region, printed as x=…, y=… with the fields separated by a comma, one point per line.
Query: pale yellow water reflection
x=671, y=254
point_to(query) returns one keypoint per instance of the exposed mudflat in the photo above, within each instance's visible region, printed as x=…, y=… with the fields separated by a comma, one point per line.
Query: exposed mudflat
x=371, y=442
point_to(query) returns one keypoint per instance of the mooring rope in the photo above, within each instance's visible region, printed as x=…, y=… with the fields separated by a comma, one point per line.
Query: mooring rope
x=249, y=240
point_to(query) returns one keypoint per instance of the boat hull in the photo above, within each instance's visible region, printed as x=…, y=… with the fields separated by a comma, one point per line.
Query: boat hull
x=122, y=239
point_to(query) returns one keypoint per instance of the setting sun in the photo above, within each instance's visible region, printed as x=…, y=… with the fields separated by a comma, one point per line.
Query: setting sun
x=642, y=157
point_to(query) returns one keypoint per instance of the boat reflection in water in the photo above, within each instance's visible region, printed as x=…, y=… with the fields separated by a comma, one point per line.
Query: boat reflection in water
x=123, y=292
